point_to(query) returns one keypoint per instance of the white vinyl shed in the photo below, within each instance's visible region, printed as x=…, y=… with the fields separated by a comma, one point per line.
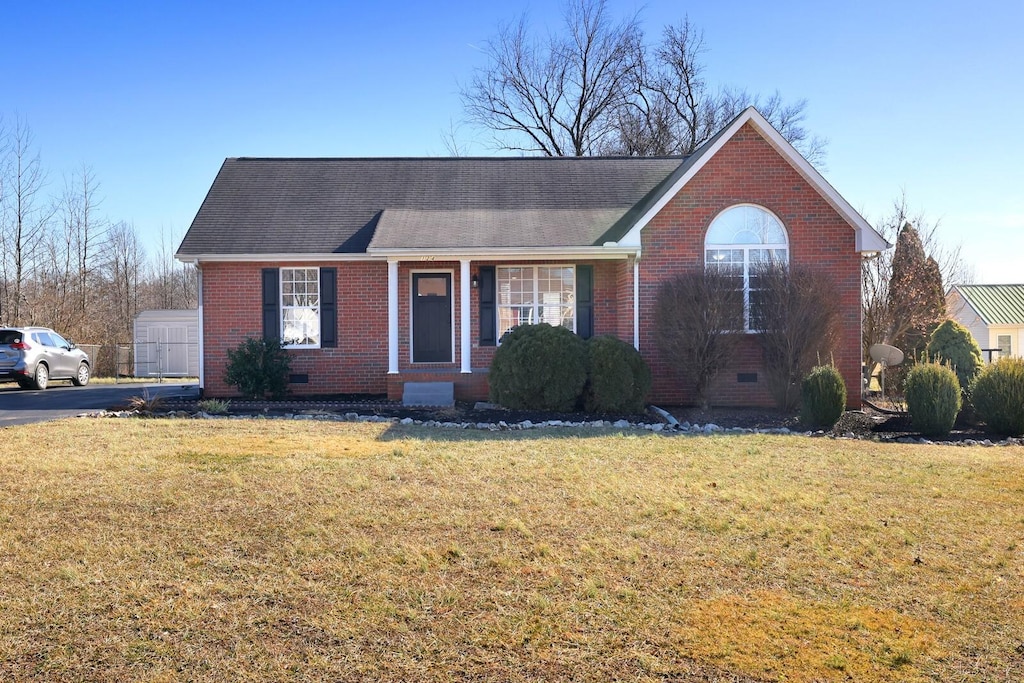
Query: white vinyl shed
x=167, y=343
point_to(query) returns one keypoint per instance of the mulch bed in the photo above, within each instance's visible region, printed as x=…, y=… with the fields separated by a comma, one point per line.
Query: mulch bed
x=867, y=423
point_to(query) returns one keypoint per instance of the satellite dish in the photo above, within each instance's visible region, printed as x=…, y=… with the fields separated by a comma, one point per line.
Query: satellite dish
x=885, y=354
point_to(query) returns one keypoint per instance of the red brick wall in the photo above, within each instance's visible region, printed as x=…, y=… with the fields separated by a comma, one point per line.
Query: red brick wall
x=748, y=170
x=624, y=293
x=232, y=311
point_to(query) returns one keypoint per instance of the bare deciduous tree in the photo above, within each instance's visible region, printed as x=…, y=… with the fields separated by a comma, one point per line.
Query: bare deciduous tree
x=25, y=221
x=124, y=270
x=878, y=321
x=598, y=90
x=72, y=254
x=558, y=96
x=799, y=321
x=695, y=315
x=64, y=266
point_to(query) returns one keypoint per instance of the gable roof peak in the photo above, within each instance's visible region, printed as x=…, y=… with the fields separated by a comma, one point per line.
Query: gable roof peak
x=868, y=240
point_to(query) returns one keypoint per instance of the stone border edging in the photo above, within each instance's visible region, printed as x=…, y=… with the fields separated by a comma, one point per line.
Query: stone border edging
x=676, y=429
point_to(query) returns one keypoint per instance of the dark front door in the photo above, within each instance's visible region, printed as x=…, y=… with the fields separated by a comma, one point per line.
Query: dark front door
x=431, y=318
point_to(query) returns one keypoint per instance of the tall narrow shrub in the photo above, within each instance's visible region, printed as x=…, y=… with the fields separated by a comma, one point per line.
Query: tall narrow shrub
x=697, y=318
x=933, y=398
x=823, y=394
x=797, y=315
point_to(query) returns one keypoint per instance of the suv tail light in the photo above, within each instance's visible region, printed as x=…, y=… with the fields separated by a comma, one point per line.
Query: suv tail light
x=21, y=346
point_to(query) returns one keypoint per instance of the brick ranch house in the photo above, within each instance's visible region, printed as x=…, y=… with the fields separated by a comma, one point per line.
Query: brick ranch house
x=376, y=272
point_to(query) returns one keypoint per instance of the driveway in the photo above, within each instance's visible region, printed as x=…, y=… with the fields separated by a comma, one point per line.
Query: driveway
x=19, y=406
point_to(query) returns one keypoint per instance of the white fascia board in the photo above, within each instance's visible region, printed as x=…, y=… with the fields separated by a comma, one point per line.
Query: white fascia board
x=867, y=238
x=196, y=259
x=617, y=252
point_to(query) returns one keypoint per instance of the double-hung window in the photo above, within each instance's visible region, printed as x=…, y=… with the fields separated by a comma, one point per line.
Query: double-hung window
x=1004, y=344
x=741, y=240
x=300, y=307
x=536, y=294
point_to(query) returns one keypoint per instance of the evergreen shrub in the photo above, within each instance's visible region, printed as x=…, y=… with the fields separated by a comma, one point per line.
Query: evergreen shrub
x=619, y=378
x=823, y=397
x=998, y=396
x=259, y=368
x=933, y=398
x=952, y=343
x=539, y=367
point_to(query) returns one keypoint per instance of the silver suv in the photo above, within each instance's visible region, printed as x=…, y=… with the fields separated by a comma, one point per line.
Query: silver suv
x=33, y=356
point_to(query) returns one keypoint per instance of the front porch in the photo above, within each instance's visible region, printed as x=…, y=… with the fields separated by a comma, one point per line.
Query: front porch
x=445, y=316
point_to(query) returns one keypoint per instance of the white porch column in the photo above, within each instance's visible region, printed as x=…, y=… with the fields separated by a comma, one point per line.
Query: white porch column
x=464, y=317
x=636, y=303
x=392, y=317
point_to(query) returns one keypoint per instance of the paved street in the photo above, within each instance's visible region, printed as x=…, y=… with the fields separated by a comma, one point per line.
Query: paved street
x=61, y=399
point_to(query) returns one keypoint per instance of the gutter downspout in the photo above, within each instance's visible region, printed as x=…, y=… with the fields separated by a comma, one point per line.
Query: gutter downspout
x=202, y=331
x=636, y=301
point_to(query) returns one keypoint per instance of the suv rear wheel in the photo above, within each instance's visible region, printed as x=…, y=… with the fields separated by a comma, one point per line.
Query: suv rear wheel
x=81, y=378
x=41, y=377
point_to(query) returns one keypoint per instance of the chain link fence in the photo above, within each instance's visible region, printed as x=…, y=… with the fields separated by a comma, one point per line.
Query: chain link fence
x=143, y=359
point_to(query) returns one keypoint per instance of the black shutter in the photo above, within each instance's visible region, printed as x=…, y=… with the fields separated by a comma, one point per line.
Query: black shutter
x=328, y=308
x=488, y=308
x=585, y=301
x=271, y=301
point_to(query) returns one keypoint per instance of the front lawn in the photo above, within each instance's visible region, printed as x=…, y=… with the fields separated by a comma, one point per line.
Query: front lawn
x=164, y=550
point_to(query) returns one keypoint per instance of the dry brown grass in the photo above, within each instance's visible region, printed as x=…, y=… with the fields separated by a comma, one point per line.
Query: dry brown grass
x=166, y=550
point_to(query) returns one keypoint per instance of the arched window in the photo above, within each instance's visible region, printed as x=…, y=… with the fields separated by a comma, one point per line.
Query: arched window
x=738, y=241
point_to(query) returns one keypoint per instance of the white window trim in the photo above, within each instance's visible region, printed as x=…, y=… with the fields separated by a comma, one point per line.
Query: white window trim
x=281, y=307
x=536, y=292
x=451, y=310
x=746, y=248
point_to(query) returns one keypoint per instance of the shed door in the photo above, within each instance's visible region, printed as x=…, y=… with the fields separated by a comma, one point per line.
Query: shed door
x=168, y=350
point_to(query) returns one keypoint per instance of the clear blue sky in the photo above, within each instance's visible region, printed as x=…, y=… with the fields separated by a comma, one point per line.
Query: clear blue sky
x=921, y=97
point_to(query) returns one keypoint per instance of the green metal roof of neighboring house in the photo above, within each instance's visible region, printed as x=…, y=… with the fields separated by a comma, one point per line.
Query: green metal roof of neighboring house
x=996, y=304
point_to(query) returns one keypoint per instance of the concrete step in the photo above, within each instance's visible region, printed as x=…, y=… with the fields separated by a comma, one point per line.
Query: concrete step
x=434, y=394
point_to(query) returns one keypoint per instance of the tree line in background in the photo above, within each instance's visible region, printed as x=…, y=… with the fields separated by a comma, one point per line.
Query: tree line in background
x=64, y=264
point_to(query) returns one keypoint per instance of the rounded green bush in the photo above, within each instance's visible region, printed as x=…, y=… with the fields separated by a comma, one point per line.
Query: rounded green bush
x=619, y=377
x=539, y=367
x=258, y=367
x=952, y=343
x=933, y=398
x=823, y=397
x=997, y=395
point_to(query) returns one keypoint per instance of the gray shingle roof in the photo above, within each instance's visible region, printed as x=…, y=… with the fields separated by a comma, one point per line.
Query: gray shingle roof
x=316, y=206
x=996, y=304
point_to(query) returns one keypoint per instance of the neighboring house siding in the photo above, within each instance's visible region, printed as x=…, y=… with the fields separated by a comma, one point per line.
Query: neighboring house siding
x=1016, y=335
x=961, y=311
x=748, y=170
x=233, y=312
